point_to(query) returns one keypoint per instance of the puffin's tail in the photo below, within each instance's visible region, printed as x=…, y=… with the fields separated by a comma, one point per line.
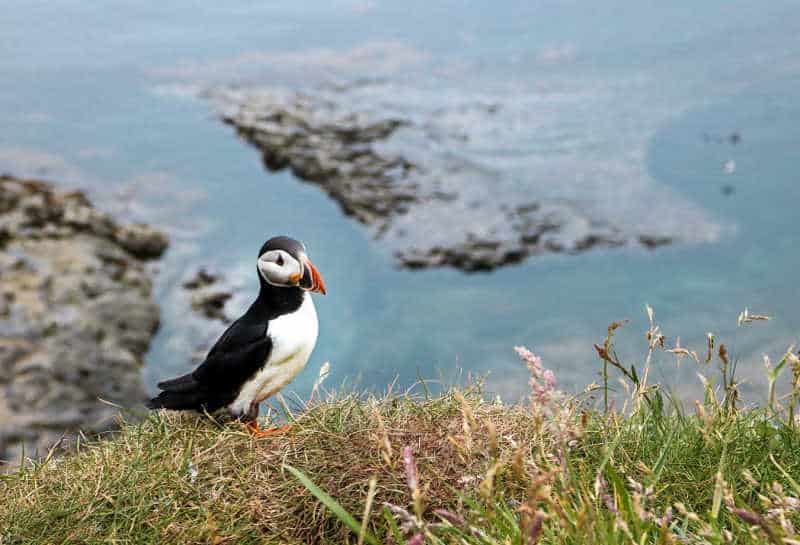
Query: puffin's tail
x=182, y=393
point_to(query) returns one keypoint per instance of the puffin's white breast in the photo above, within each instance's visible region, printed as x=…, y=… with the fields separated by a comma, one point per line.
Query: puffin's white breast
x=293, y=339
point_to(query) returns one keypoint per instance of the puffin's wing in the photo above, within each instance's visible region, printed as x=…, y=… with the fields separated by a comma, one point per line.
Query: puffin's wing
x=237, y=355
x=240, y=333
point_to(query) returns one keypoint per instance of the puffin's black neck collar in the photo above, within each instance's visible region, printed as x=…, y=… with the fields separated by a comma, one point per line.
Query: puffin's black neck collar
x=274, y=301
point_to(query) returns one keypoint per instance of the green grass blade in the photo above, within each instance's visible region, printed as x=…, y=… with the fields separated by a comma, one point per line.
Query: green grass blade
x=392, y=524
x=786, y=475
x=662, y=455
x=340, y=512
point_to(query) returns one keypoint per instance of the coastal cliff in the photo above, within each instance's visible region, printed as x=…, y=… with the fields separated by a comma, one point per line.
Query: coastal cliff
x=76, y=316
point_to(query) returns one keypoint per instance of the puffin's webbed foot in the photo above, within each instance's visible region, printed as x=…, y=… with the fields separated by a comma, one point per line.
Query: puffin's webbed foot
x=256, y=431
x=251, y=423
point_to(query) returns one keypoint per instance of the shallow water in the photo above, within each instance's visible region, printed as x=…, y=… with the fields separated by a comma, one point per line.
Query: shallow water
x=625, y=108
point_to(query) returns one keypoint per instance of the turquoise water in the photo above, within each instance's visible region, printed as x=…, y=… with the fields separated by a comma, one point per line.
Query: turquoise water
x=639, y=98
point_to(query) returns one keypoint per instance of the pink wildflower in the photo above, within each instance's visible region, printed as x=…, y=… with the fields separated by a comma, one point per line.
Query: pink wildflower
x=542, y=381
x=535, y=530
x=412, y=477
x=549, y=378
x=453, y=518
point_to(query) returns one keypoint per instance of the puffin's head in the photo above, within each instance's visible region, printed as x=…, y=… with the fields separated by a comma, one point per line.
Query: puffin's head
x=282, y=261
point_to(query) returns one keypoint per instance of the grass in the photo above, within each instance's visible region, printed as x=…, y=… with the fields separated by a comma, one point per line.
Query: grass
x=449, y=468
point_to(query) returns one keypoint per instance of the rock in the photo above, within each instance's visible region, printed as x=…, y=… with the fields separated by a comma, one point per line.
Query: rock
x=207, y=298
x=201, y=279
x=335, y=153
x=212, y=305
x=76, y=316
x=653, y=242
x=141, y=240
x=436, y=207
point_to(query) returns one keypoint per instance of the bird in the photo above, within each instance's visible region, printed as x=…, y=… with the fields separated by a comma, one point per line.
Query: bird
x=264, y=349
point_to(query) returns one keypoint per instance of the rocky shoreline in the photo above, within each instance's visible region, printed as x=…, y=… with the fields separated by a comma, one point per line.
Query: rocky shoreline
x=434, y=209
x=76, y=316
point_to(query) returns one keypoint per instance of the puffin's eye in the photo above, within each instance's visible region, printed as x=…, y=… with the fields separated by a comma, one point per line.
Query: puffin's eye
x=279, y=261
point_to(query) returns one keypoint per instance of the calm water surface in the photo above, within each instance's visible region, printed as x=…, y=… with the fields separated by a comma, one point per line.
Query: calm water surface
x=641, y=96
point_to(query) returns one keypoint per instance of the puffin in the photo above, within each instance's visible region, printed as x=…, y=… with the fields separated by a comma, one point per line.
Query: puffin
x=263, y=350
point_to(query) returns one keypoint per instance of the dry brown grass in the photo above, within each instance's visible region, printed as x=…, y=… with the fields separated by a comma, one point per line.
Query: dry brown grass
x=240, y=490
x=343, y=443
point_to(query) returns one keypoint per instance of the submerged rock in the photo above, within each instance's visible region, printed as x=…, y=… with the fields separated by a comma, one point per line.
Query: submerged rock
x=76, y=316
x=208, y=298
x=431, y=204
x=201, y=279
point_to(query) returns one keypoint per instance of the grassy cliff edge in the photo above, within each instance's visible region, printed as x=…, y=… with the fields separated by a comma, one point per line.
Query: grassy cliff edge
x=445, y=468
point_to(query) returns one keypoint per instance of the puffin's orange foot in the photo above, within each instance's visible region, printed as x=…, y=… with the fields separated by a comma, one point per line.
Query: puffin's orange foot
x=255, y=431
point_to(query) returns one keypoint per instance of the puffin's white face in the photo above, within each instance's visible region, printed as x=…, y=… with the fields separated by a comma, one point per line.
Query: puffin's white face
x=280, y=268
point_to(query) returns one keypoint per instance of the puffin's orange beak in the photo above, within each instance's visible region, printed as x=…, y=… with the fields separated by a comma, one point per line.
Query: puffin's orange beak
x=312, y=280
